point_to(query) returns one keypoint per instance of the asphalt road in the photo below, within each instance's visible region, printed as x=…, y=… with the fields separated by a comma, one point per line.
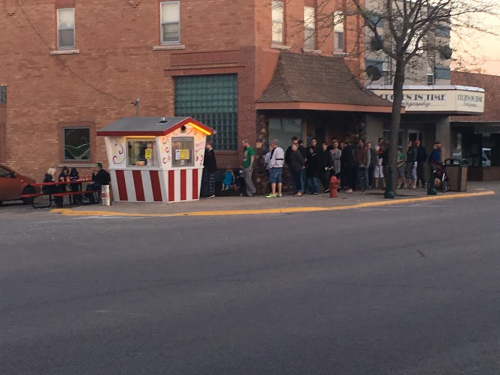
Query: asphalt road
x=411, y=290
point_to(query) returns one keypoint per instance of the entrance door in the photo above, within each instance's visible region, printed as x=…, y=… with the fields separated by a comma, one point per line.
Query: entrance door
x=414, y=135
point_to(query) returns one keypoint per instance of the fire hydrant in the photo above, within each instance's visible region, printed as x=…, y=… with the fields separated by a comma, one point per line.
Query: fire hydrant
x=334, y=185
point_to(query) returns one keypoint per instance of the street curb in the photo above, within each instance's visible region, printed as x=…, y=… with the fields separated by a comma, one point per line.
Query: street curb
x=70, y=212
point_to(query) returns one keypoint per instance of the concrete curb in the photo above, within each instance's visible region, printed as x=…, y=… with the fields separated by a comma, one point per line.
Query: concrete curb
x=70, y=212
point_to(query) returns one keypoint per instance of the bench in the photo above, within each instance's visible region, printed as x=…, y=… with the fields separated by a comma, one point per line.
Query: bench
x=61, y=194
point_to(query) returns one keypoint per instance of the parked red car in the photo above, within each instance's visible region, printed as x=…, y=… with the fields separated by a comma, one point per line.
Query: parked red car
x=13, y=185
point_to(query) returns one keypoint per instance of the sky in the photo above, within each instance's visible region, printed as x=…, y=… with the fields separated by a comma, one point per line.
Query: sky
x=483, y=50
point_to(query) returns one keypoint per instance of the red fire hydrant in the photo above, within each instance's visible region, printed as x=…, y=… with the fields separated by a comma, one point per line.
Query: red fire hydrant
x=334, y=186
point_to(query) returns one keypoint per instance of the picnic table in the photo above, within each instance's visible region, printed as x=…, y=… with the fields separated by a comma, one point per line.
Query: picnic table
x=71, y=194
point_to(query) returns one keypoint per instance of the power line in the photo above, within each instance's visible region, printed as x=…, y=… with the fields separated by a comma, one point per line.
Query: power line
x=102, y=92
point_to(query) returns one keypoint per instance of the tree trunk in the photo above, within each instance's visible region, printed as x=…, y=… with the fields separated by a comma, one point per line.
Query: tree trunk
x=397, y=104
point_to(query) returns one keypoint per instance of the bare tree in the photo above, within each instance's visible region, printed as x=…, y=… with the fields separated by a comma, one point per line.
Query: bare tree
x=409, y=29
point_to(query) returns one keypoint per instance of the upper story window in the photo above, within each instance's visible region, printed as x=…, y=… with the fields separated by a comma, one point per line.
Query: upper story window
x=309, y=28
x=66, y=28
x=278, y=17
x=3, y=94
x=338, y=32
x=170, y=22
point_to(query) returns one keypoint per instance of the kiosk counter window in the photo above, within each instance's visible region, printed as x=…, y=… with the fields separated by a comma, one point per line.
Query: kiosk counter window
x=183, y=152
x=141, y=153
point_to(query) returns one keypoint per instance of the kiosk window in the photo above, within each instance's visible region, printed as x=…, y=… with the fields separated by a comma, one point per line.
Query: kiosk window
x=183, y=152
x=141, y=153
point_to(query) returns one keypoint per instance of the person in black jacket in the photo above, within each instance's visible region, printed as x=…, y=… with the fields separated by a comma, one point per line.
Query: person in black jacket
x=100, y=177
x=296, y=167
x=325, y=166
x=421, y=160
x=288, y=153
x=74, y=176
x=411, y=166
x=210, y=167
x=312, y=170
x=50, y=177
x=348, y=162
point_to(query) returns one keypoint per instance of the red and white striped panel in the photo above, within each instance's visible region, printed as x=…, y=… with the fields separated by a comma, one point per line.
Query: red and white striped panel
x=156, y=186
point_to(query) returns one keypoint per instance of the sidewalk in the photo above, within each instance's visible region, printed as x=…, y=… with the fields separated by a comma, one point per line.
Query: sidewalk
x=261, y=204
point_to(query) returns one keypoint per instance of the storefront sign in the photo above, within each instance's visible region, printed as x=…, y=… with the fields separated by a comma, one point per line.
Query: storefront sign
x=442, y=100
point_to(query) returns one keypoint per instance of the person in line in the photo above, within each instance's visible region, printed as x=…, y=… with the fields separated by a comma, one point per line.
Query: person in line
x=100, y=177
x=421, y=160
x=411, y=166
x=325, y=166
x=336, y=159
x=75, y=176
x=295, y=141
x=267, y=160
x=209, y=170
x=312, y=169
x=347, y=161
x=314, y=144
x=332, y=141
x=379, y=169
x=400, y=166
x=229, y=178
x=436, y=161
x=362, y=163
x=248, y=162
x=373, y=164
x=276, y=169
x=296, y=168
x=303, y=151
x=50, y=177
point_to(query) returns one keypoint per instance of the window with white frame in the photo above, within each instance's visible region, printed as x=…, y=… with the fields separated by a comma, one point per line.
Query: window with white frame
x=66, y=28
x=309, y=28
x=170, y=22
x=338, y=32
x=278, y=17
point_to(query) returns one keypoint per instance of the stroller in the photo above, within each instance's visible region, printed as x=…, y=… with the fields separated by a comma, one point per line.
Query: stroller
x=441, y=177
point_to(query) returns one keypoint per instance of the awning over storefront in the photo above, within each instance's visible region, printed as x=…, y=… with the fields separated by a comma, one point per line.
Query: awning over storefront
x=447, y=100
x=310, y=82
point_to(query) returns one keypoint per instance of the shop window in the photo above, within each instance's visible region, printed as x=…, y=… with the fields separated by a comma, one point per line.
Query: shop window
x=170, y=22
x=3, y=94
x=212, y=100
x=339, y=32
x=66, y=28
x=442, y=72
x=283, y=129
x=387, y=137
x=309, y=28
x=278, y=18
x=141, y=152
x=183, y=152
x=76, y=143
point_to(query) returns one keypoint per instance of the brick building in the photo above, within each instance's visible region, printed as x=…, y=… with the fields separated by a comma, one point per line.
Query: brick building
x=70, y=67
x=477, y=138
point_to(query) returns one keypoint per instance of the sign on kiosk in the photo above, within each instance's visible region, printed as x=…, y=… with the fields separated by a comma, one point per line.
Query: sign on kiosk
x=156, y=159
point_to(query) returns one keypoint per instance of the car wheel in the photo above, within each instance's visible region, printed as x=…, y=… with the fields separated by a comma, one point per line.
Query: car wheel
x=28, y=190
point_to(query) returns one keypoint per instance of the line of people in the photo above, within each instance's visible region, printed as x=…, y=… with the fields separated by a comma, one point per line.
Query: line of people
x=358, y=165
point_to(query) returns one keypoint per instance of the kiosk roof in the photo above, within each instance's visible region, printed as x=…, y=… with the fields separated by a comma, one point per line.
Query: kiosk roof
x=152, y=126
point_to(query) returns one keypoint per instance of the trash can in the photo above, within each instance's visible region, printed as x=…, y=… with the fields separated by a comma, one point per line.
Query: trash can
x=457, y=174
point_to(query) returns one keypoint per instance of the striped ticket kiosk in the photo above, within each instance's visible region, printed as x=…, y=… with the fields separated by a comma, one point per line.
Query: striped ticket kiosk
x=153, y=159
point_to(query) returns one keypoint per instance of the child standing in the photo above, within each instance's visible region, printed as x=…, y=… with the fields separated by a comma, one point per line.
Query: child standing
x=400, y=165
x=228, y=179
